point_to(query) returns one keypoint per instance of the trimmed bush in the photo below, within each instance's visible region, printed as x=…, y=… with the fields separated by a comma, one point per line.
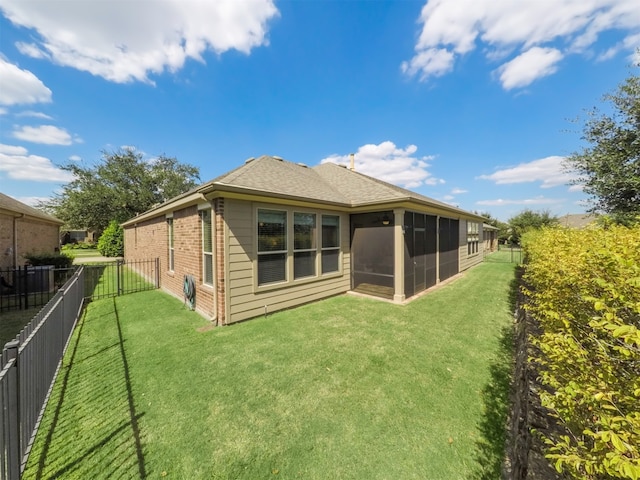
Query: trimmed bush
x=583, y=286
x=111, y=242
x=57, y=260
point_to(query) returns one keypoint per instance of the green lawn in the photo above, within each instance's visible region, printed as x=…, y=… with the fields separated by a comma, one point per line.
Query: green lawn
x=13, y=321
x=346, y=388
x=82, y=252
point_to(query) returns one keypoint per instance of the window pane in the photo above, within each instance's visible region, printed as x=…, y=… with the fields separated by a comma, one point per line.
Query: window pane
x=304, y=264
x=272, y=268
x=272, y=231
x=208, y=268
x=330, y=260
x=304, y=230
x=207, y=244
x=330, y=231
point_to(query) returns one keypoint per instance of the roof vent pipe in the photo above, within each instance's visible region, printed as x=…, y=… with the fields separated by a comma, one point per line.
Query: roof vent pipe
x=352, y=163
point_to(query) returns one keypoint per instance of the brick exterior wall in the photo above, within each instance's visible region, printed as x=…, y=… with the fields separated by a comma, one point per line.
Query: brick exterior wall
x=150, y=239
x=33, y=236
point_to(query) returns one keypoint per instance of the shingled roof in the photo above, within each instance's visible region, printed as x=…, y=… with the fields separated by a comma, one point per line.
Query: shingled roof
x=13, y=207
x=327, y=183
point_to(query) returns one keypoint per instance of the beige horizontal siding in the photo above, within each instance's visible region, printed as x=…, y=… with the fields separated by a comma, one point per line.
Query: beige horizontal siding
x=468, y=261
x=244, y=300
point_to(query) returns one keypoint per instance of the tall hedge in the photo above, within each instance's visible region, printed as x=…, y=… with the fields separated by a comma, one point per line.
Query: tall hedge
x=584, y=289
x=111, y=242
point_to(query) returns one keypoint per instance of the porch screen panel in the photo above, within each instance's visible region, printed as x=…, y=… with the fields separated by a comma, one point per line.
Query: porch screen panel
x=431, y=246
x=409, y=248
x=372, y=253
x=448, y=246
x=272, y=246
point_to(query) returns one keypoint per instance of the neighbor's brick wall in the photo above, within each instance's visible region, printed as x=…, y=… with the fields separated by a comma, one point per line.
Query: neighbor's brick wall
x=149, y=239
x=33, y=236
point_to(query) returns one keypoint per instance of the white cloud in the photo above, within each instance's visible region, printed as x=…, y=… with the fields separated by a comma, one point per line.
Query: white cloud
x=529, y=66
x=128, y=41
x=21, y=86
x=433, y=62
x=528, y=201
x=17, y=164
x=3, y=111
x=458, y=191
x=44, y=134
x=32, y=114
x=75, y=158
x=389, y=163
x=32, y=201
x=549, y=170
x=450, y=29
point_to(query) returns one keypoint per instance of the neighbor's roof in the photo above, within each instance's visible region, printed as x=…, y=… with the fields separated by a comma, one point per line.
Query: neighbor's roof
x=577, y=220
x=13, y=207
x=327, y=183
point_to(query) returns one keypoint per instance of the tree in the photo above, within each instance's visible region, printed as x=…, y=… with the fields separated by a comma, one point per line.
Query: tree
x=120, y=187
x=609, y=169
x=529, y=220
x=111, y=242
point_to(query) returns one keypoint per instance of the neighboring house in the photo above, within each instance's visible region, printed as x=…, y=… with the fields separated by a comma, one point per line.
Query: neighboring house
x=23, y=230
x=577, y=220
x=76, y=236
x=273, y=234
x=490, y=237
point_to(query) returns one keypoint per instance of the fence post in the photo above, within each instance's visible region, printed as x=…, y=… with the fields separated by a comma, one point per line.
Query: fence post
x=12, y=441
x=157, y=272
x=25, y=286
x=118, y=271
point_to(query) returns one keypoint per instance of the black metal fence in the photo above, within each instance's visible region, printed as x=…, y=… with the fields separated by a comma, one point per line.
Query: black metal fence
x=26, y=287
x=505, y=254
x=121, y=277
x=29, y=366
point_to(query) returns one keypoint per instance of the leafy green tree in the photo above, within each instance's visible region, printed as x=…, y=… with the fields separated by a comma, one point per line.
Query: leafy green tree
x=118, y=188
x=529, y=220
x=111, y=242
x=609, y=168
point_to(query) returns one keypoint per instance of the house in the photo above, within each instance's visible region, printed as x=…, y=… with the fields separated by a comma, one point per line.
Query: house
x=23, y=230
x=273, y=234
x=490, y=237
x=577, y=220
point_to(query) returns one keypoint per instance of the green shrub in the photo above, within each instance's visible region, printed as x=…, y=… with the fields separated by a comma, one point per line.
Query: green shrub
x=584, y=289
x=78, y=246
x=58, y=260
x=111, y=242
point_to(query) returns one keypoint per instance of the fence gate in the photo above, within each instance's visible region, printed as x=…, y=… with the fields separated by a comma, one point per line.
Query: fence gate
x=121, y=277
x=505, y=254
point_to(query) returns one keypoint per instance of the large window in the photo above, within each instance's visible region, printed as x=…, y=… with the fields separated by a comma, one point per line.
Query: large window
x=304, y=245
x=295, y=246
x=473, y=237
x=207, y=247
x=330, y=243
x=272, y=246
x=171, y=247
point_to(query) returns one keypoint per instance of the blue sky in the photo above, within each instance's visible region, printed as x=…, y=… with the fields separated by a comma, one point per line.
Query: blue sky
x=472, y=102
